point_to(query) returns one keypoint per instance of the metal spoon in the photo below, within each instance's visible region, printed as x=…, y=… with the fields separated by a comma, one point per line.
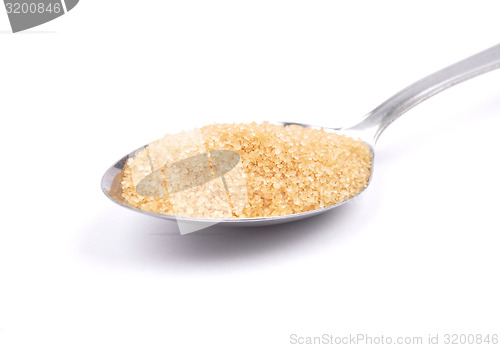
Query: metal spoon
x=368, y=130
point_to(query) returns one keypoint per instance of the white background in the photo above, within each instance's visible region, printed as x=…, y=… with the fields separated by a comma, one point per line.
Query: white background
x=416, y=254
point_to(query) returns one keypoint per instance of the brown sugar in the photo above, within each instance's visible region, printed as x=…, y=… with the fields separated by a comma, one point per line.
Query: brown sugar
x=268, y=170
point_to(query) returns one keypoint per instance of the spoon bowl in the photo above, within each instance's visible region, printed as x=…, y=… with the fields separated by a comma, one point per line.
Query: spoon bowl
x=112, y=188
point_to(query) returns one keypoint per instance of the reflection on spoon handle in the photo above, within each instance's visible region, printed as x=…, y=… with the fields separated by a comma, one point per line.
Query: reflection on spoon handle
x=382, y=116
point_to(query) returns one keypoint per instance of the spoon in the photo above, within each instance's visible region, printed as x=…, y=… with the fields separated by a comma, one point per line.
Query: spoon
x=368, y=131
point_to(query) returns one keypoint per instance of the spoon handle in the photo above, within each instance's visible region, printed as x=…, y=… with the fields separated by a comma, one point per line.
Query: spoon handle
x=377, y=120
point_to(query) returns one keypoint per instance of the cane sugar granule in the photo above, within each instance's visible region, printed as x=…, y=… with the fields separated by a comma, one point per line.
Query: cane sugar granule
x=269, y=170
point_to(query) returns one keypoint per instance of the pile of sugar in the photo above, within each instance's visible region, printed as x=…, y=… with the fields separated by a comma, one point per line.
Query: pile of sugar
x=282, y=170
